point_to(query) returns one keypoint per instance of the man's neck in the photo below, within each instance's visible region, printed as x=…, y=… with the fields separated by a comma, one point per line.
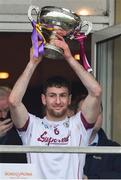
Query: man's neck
x=55, y=119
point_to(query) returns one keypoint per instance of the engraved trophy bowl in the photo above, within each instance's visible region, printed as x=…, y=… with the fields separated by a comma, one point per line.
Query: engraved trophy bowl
x=50, y=19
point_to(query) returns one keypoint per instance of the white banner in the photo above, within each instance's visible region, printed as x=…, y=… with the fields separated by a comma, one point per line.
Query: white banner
x=18, y=171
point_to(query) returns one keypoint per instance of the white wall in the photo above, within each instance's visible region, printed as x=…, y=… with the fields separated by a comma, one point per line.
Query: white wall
x=13, y=13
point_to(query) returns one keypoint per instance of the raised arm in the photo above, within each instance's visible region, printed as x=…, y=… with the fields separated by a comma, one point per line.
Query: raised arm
x=19, y=112
x=91, y=105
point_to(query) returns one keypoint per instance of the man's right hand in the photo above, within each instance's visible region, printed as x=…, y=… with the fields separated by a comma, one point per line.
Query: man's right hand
x=5, y=126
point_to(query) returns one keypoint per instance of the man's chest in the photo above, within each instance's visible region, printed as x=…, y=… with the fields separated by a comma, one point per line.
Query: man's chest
x=46, y=135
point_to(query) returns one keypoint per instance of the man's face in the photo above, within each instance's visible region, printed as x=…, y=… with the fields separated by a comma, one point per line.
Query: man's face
x=3, y=106
x=56, y=101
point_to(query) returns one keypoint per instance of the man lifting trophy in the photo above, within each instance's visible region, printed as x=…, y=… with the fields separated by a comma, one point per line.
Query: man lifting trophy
x=55, y=130
x=50, y=19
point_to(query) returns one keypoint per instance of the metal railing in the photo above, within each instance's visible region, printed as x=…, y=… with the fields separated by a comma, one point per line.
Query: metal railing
x=72, y=149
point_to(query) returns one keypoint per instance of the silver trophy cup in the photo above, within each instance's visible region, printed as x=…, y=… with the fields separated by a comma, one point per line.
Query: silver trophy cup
x=51, y=18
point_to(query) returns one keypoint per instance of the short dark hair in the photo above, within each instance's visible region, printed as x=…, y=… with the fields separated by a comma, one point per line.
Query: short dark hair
x=56, y=81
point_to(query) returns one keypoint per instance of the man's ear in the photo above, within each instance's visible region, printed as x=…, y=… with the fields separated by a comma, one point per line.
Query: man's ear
x=43, y=99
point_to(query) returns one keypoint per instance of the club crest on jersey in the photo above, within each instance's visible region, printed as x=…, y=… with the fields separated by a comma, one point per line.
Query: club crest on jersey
x=66, y=124
x=45, y=125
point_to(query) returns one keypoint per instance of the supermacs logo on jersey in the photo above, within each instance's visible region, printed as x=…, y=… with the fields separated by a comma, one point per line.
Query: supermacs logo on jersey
x=51, y=140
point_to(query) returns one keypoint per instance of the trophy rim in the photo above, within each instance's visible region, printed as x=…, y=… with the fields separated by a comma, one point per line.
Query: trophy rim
x=61, y=9
x=46, y=9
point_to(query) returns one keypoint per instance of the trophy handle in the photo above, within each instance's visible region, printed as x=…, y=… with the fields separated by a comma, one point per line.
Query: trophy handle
x=88, y=24
x=37, y=10
x=78, y=30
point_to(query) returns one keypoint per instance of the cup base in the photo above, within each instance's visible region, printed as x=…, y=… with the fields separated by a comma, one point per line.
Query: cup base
x=52, y=52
